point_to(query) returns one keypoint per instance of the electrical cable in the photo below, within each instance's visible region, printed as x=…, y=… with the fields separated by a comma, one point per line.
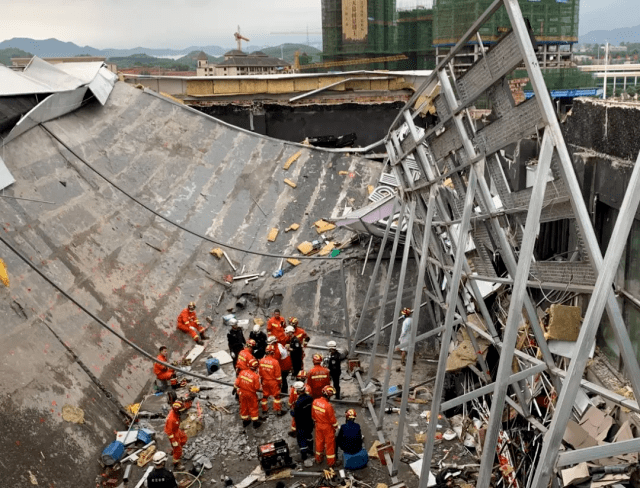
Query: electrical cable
x=179, y=226
x=103, y=324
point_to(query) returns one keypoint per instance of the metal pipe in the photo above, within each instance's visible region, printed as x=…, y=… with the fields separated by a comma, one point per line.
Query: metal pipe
x=383, y=300
x=374, y=276
x=414, y=326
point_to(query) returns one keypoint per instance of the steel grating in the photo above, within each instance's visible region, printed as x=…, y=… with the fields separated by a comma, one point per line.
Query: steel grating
x=466, y=219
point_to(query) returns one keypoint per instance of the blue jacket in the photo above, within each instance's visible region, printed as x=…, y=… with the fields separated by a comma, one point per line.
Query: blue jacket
x=350, y=437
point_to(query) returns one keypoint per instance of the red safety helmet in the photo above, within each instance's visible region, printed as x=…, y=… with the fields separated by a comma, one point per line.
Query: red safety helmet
x=251, y=343
x=253, y=364
x=270, y=349
x=302, y=375
x=191, y=306
x=293, y=321
x=328, y=391
x=317, y=359
x=350, y=414
x=177, y=405
x=405, y=311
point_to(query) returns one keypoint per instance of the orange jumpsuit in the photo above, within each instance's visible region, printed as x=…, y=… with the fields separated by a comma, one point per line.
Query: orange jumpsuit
x=285, y=362
x=188, y=321
x=163, y=373
x=244, y=357
x=248, y=384
x=302, y=336
x=177, y=437
x=271, y=382
x=317, y=379
x=293, y=398
x=275, y=327
x=326, y=424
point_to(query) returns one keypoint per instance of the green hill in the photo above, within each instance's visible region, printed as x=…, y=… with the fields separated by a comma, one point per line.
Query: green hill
x=191, y=60
x=146, y=61
x=289, y=51
x=12, y=52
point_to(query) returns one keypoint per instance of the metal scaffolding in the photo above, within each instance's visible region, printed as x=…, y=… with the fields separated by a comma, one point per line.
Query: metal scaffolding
x=483, y=210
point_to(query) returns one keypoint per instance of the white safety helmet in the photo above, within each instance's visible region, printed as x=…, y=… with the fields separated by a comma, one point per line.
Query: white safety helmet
x=298, y=385
x=271, y=339
x=256, y=328
x=159, y=457
x=290, y=329
x=233, y=322
x=332, y=345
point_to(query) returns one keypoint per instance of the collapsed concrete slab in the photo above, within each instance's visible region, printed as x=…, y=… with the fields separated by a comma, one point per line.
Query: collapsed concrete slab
x=135, y=270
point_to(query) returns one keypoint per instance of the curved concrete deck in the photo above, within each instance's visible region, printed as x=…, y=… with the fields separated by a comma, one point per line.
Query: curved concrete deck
x=135, y=271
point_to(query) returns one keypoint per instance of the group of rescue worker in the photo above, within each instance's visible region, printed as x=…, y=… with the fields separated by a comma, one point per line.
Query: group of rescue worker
x=263, y=364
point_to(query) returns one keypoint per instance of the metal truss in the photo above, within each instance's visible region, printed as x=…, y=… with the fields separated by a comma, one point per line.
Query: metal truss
x=440, y=223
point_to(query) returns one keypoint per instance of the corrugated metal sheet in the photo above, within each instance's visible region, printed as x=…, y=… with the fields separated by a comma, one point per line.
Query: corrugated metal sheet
x=102, y=84
x=13, y=83
x=52, y=107
x=85, y=72
x=6, y=178
x=39, y=71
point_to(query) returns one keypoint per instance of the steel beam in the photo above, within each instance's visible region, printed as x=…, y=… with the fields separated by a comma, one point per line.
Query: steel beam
x=383, y=300
x=452, y=295
x=577, y=202
x=597, y=452
x=588, y=329
x=515, y=313
x=374, y=277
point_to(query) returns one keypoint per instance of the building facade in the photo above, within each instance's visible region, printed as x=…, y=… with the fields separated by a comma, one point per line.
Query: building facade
x=238, y=63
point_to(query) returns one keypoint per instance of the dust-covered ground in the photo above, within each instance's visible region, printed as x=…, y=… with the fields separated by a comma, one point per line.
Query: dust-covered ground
x=232, y=449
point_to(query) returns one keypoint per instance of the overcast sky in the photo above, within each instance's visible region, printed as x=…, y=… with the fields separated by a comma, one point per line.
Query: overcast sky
x=178, y=24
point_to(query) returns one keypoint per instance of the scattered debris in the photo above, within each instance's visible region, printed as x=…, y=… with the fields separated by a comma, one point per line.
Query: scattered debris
x=292, y=227
x=293, y=261
x=217, y=252
x=292, y=160
x=4, y=275
x=273, y=234
x=323, y=226
x=305, y=248
x=290, y=183
x=73, y=414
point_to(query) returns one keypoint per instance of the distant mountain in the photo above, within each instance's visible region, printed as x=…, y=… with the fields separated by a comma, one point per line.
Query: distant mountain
x=54, y=48
x=614, y=36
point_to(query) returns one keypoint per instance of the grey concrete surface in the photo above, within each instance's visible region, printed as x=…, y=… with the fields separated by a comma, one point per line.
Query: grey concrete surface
x=137, y=272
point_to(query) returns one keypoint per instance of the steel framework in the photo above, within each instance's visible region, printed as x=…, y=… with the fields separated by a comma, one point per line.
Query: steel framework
x=440, y=223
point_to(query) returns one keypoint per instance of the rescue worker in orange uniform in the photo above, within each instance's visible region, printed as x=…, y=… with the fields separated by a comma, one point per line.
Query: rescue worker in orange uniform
x=176, y=436
x=326, y=424
x=299, y=332
x=247, y=385
x=271, y=381
x=293, y=397
x=318, y=377
x=166, y=375
x=275, y=327
x=283, y=357
x=245, y=356
x=188, y=322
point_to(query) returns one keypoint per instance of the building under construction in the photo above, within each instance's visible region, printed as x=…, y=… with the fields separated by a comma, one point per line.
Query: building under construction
x=361, y=28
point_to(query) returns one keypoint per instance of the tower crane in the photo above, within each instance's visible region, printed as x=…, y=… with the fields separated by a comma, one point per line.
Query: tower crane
x=239, y=38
